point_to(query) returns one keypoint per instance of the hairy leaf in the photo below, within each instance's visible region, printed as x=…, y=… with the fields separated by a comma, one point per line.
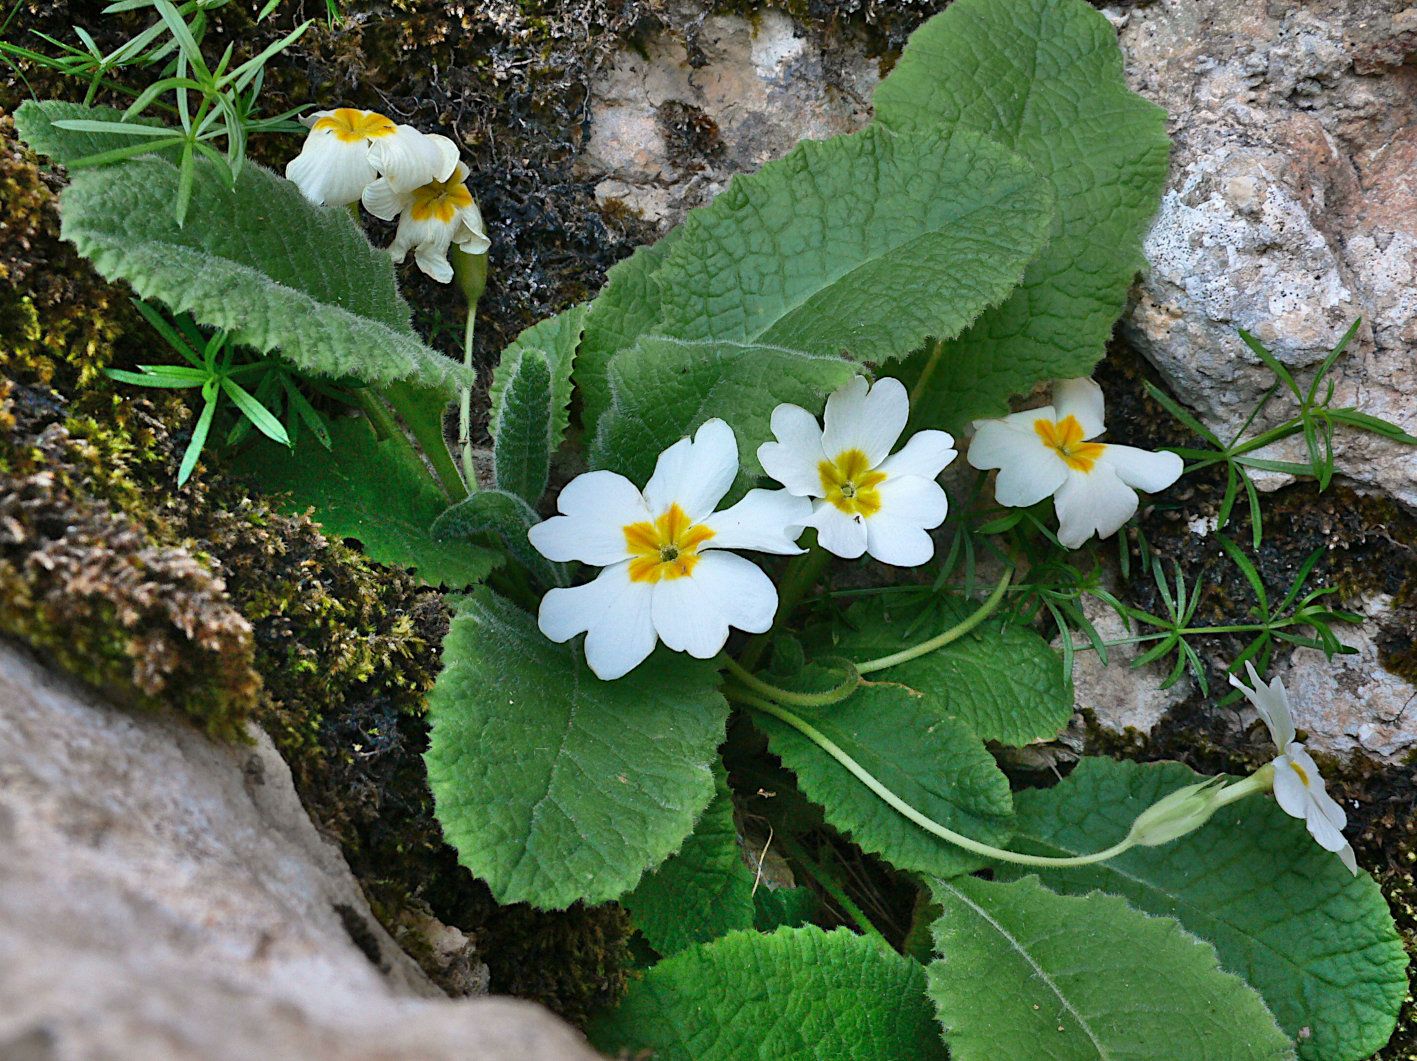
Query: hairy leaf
x=704, y=890
x=1316, y=942
x=521, y=447
x=932, y=762
x=799, y=994
x=34, y=121
x=377, y=492
x=505, y=517
x=556, y=339
x=1044, y=79
x=555, y=786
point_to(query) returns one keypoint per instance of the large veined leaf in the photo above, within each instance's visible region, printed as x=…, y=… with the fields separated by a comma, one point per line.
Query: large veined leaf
x=1001, y=680
x=1024, y=972
x=704, y=890
x=1316, y=942
x=273, y=270
x=506, y=517
x=932, y=762
x=800, y=994
x=521, y=448
x=623, y=311
x=1043, y=78
x=555, y=339
x=377, y=492
x=864, y=244
x=663, y=389
x=553, y=785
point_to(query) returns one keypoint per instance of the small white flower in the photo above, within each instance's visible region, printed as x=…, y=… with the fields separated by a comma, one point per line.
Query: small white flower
x=333, y=166
x=409, y=159
x=1047, y=451
x=867, y=501
x=667, y=577
x=431, y=218
x=1298, y=785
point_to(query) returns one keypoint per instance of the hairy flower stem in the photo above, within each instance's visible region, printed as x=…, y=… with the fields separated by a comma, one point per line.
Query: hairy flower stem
x=1262, y=780
x=788, y=696
x=465, y=404
x=954, y=633
x=821, y=740
x=801, y=575
x=932, y=363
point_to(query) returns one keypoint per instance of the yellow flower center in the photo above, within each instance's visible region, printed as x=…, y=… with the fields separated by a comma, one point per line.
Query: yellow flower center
x=440, y=199
x=849, y=483
x=668, y=548
x=1065, y=437
x=1303, y=774
x=352, y=125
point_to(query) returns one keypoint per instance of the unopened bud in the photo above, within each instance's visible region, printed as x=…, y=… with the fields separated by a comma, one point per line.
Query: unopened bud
x=470, y=272
x=1183, y=811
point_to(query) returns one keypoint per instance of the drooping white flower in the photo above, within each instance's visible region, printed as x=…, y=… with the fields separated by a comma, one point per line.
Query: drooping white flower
x=410, y=159
x=865, y=500
x=1048, y=452
x=1298, y=785
x=667, y=575
x=432, y=217
x=333, y=167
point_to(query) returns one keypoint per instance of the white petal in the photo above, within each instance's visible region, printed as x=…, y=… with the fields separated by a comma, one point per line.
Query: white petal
x=926, y=455
x=1094, y=501
x=409, y=159
x=429, y=240
x=914, y=500
x=900, y=542
x=794, y=459
x=614, y=611
x=1029, y=471
x=1289, y=790
x=1324, y=831
x=695, y=473
x=866, y=418
x=739, y=589
x=432, y=260
x=837, y=533
x=1082, y=399
x=471, y=234
x=1349, y=859
x=595, y=509
x=768, y=521
x=330, y=171
x=687, y=619
x=1318, y=791
x=1142, y=468
x=383, y=202
x=1272, y=703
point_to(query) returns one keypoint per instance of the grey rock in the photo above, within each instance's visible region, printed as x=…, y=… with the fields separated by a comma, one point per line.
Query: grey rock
x=164, y=896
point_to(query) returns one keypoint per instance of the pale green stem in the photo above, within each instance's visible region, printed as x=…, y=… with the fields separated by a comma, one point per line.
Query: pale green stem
x=788, y=696
x=821, y=740
x=929, y=370
x=1262, y=780
x=465, y=403
x=954, y=633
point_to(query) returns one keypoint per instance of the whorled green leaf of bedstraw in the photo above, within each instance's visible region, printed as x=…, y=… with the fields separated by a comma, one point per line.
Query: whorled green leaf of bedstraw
x=555, y=786
x=1002, y=680
x=704, y=890
x=799, y=994
x=1043, y=78
x=273, y=270
x=1025, y=972
x=377, y=492
x=931, y=761
x=1316, y=942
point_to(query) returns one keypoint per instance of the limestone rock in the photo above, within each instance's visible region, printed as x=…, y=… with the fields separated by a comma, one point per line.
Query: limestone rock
x=164, y=896
x=1291, y=210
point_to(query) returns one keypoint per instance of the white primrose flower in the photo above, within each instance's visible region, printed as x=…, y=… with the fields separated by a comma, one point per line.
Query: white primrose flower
x=865, y=499
x=333, y=166
x=1048, y=451
x=432, y=218
x=1298, y=785
x=667, y=576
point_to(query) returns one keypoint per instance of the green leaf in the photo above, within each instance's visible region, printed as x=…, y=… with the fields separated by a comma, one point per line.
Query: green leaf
x=663, y=389
x=35, y=122
x=556, y=339
x=864, y=244
x=783, y=907
x=377, y=492
x=1024, y=972
x=555, y=786
x=704, y=890
x=1002, y=680
x=505, y=517
x=800, y=994
x=623, y=311
x=1317, y=943
x=521, y=447
x=1044, y=79
x=260, y=262
x=932, y=762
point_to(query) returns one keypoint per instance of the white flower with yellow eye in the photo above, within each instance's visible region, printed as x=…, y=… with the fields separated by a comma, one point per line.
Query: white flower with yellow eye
x=667, y=576
x=1049, y=452
x=347, y=149
x=432, y=218
x=865, y=499
x=1298, y=785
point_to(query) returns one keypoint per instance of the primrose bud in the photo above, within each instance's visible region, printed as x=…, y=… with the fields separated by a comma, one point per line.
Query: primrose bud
x=470, y=272
x=1183, y=811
